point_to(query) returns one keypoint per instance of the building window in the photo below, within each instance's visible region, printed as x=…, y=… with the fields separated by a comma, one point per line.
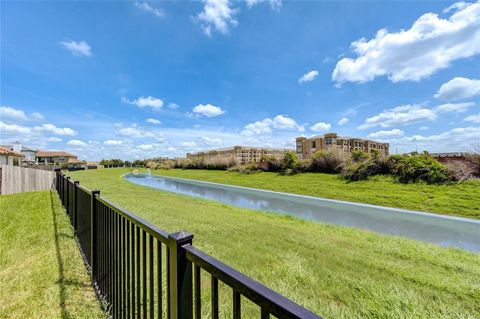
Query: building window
x=313, y=144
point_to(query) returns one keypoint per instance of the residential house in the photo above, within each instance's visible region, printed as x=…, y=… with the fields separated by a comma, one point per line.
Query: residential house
x=8, y=157
x=29, y=155
x=56, y=157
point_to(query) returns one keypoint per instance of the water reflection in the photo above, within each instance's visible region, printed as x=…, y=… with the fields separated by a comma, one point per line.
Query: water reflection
x=441, y=230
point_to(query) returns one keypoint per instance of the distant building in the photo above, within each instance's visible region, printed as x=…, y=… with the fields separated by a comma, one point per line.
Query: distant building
x=28, y=153
x=306, y=147
x=243, y=154
x=58, y=158
x=449, y=156
x=9, y=157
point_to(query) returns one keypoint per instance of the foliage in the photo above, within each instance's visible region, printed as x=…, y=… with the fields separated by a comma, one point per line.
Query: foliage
x=290, y=162
x=112, y=162
x=326, y=162
x=213, y=163
x=416, y=168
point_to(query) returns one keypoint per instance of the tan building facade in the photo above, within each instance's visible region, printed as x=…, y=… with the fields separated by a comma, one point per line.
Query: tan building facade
x=306, y=147
x=243, y=154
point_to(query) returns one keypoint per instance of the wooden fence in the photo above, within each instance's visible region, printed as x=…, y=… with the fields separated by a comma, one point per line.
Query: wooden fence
x=15, y=179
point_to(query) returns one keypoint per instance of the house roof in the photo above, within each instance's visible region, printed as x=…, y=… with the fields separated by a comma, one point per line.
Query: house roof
x=6, y=151
x=75, y=161
x=23, y=148
x=53, y=154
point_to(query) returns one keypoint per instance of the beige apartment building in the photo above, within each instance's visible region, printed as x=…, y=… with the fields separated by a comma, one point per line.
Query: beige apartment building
x=306, y=147
x=243, y=154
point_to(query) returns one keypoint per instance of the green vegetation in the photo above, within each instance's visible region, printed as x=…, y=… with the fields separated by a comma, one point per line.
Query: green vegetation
x=334, y=271
x=42, y=272
x=460, y=199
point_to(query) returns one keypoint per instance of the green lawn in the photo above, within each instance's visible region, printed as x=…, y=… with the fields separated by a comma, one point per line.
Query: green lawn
x=42, y=274
x=334, y=271
x=456, y=199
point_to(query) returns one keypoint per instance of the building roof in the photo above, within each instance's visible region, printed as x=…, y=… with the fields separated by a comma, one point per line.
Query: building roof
x=231, y=148
x=6, y=151
x=342, y=138
x=75, y=161
x=53, y=154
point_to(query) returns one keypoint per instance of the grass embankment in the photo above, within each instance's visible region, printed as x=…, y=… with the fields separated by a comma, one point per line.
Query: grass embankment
x=334, y=271
x=461, y=199
x=42, y=274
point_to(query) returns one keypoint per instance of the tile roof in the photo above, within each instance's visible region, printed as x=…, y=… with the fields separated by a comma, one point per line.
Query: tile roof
x=53, y=154
x=6, y=151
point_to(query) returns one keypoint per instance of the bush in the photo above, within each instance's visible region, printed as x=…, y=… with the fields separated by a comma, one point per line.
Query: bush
x=214, y=163
x=361, y=166
x=325, y=162
x=290, y=162
x=415, y=168
x=269, y=164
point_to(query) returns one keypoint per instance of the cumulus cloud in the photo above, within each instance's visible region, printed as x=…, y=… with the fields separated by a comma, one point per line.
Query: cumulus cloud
x=137, y=132
x=145, y=6
x=211, y=141
x=458, y=88
x=208, y=110
x=77, y=143
x=218, y=15
x=453, y=107
x=13, y=128
x=7, y=112
x=383, y=134
x=149, y=101
x=154, y=121
x=55, y=130
x=410, y=114
x=173, y=106
x=145, y=147
x=473, y=118
x=429, y=45
x=343, y=121
x=309, y=76
x=78, y=49
x=113, y=142
x=274, y=4
x=54, y=139
x=321, y=127
x=265, y=126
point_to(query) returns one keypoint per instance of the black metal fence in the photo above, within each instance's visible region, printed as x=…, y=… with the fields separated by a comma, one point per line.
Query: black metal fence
x=141, y=271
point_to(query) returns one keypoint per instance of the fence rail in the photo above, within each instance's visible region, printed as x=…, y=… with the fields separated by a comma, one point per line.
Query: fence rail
x=141, y=271
x=17, y=179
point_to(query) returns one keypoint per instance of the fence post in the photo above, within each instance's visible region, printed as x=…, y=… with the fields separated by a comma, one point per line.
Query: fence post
x=67, y=205
x=57, y=179
x=93, y=233
x=180, y=272
x=75, y=204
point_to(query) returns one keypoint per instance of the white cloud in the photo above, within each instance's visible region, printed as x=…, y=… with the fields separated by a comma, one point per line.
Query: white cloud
x=113, y=142
x=383, y=134
x=274, y=4
x=321, y=127
x=79, y=49
x=309, y=76
x=211, y=141
x=54, y=139
x=137, y=132
x=431, y=44
x=455, y=6
x=473, y=118
x=154, y=121
x=173, y=106
x=76, y=143
x=7, y=112
x=13, y=128
x=217, y=14
x=208, y=110
x=343, y=121
x=459, y=88
x=145, y=147
x=149, y=101
x=189, y=145
x=453, y=107
x=55, y=130
x=265, y=126
x=423, y=128
x=144, y=6
x=457, y=139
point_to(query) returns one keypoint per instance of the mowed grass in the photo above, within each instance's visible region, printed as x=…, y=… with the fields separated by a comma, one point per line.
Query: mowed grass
x=461, y=199
x=334, y=271
x=42, y=274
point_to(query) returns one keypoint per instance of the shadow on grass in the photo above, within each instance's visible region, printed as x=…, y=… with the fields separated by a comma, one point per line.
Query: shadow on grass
x=62, y=281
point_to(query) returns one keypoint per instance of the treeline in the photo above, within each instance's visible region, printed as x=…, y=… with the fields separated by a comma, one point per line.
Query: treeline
x=115, y=162
x=406, y=168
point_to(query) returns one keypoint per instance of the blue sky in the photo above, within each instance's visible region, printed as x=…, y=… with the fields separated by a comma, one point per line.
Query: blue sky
x=141, y=79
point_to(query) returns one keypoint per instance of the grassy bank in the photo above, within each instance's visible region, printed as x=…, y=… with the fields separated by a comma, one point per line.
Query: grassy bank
x=42, y=274
x=334, y=271
x=454, y=199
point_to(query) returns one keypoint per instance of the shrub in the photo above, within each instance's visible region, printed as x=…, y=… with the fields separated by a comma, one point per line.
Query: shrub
x=359, y=156
x=361, y=165
x=415, y=168
x=326, y=162
x=269, y=164
x=214, y=163
x=290, y=162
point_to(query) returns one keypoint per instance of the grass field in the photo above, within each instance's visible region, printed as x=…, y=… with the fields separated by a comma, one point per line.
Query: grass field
x=456, y=199
x=42, y=274
x=334, y=271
